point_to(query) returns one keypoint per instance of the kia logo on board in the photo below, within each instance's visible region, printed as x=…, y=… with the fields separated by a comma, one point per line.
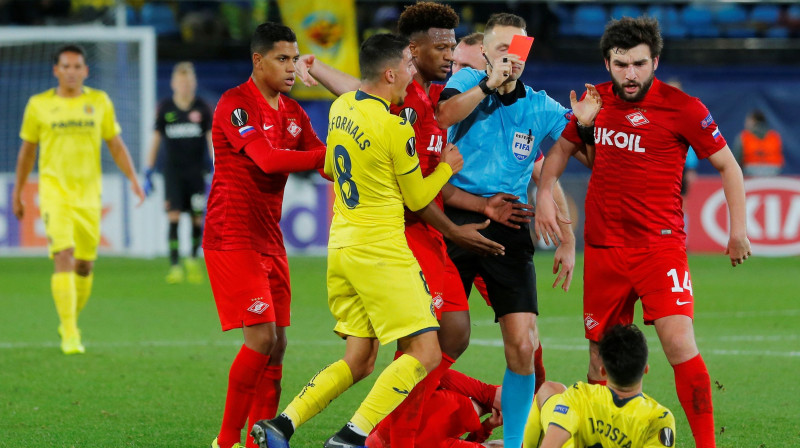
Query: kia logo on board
x=773, y=216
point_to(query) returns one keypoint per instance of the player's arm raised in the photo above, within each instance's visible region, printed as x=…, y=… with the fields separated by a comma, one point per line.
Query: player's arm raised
x=733, y=186
x=310, y=70
x=119, y=152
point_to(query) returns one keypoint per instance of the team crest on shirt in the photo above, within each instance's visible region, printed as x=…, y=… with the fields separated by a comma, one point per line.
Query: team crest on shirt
x=88, y=109
x=258, y=307
x=411, y=147
x=294, y=129
x=637, y=119
x=522, y=145
x=409, y=115
x=239, y=117
x=590, y=323
x=666, y=436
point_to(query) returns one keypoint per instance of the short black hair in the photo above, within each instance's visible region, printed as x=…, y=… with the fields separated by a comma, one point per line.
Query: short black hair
x=623, y=350
x=628, y=32
x=422, y=16
x=267, y=34
x=378, y=51
x=758, y=116
x=505, y=19
x=68, y=48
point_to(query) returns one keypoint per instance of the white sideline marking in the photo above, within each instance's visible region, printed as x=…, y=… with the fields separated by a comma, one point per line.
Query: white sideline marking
x=550, y=344
x=701, y=316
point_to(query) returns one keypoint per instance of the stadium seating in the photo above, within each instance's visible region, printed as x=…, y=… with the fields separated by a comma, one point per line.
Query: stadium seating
x=589, y=20
x=161, y=18
x=625, y=10
x=699, y=21
x=732, y=20
x=669, y=19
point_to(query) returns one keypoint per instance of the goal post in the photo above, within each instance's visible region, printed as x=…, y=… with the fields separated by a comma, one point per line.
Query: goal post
x=122, y=62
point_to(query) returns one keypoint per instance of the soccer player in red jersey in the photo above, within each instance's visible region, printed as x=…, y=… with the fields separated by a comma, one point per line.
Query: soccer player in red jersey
x=430, y=27
x=451, y=411
x=259, y=136
x=635, y=240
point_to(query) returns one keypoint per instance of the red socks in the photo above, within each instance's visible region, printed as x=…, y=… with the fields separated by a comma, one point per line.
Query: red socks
x=266, y=399
x=244, y=375
x=403, y=422
x=538, y=368
x=694, y=392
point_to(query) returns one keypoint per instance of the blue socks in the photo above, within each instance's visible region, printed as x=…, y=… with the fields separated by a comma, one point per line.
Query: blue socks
x=517, y=397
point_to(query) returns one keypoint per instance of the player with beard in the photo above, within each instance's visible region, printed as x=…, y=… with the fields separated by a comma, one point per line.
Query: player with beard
x=468, y=53
x=429, y=26
x=635, y=240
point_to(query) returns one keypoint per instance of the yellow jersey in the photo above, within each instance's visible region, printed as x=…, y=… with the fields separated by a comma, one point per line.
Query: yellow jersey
x=368, y=148
x=597, y=418
x=69, y=133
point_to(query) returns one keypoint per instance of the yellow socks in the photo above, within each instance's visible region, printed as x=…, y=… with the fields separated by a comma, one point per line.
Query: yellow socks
x=83, y=288
x=62, y=285
x=390, y=389
x=533, y=428
x=326, y=385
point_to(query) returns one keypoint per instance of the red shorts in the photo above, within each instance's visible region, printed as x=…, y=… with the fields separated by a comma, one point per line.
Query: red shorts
x=440, y=273
x=616, y=277
x=249, y=288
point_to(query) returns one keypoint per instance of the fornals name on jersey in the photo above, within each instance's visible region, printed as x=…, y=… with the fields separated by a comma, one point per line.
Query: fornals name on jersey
x=348, y=126
x=621, y=140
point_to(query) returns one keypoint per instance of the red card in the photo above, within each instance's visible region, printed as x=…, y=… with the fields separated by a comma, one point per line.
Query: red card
x=521, y=46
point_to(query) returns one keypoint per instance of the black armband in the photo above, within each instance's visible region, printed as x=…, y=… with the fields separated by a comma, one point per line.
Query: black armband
x=485, y=88
x=586, y=133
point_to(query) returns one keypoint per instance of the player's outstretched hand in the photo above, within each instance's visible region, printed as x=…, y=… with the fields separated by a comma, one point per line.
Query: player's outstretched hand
x=503, y=208
x=452, y=156
x=137, y=190
x=546, y=218
x=586, y=109
x=147, y=186
x=468, y=237
x=18, y=207
x=565, y=259
x=303, y=65
x=738, y=250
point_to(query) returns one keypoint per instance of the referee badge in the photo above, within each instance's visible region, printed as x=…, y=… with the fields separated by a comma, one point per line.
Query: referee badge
x=239, y=117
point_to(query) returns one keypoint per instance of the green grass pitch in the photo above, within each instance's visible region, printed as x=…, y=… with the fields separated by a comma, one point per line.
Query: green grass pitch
x=156, y=366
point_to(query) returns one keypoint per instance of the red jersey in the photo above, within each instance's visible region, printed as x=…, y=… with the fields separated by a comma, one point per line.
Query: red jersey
x=634, y=194
x=418, y=108
x=244, y=205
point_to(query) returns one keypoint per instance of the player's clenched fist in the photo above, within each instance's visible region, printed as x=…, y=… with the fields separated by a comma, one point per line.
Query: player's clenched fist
x=452, y=156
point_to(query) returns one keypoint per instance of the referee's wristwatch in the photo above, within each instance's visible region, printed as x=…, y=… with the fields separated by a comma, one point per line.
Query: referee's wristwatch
x=485, y=88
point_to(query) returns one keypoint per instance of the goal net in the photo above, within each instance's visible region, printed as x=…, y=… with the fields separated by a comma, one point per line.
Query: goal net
x=122, y=62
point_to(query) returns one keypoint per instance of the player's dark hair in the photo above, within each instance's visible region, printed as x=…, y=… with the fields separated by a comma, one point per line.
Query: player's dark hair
x=472, y=39
x=379, y=51
x=758, y=116
x=628, y=32
x=422, y=16
x=68, y=48
x=267, y=34
x=505, y=19
x=623, y=350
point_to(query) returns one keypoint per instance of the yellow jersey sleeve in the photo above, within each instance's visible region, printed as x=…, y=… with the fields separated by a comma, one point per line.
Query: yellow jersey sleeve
x=661, y=432
x=109, y=127
x=568, y=411
x=31, y=126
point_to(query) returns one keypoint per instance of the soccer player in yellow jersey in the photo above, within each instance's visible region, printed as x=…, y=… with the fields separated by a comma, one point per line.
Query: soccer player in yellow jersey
x=376, y=290
x=68, y=123
x=617, y=415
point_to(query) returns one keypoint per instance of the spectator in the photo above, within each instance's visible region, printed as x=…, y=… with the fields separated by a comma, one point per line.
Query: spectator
x=758, y=149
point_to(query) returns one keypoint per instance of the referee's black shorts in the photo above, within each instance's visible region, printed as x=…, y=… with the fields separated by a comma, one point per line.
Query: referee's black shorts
x=510, y=278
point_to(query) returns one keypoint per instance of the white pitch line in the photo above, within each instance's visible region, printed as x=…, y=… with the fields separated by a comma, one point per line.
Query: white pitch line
x=549, y=343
